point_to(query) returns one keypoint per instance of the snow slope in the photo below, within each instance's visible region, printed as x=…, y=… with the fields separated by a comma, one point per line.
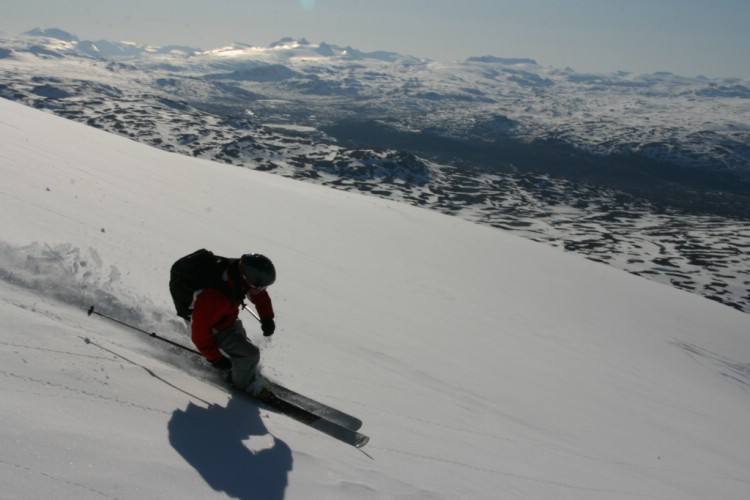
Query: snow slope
x=483, y=365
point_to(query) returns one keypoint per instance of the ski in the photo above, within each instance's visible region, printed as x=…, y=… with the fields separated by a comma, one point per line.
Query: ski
x=326, y=419
x=316, y=407
x=305, y=416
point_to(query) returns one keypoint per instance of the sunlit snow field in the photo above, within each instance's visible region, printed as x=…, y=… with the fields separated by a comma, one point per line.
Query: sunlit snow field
x=483, y=365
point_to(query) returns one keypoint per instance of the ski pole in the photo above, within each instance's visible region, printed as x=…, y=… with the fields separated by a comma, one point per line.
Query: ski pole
x=150, y=334
x=244, y=306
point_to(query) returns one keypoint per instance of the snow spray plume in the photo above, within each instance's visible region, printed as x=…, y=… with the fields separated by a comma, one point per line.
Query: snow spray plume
x=150, y=334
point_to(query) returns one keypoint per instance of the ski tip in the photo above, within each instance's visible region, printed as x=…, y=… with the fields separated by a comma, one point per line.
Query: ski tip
x=361, y=442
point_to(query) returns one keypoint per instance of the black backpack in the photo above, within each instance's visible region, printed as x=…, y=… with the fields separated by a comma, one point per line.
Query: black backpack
x=201, y=269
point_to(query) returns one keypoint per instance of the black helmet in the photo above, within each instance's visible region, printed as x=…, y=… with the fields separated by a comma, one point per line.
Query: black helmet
x=257, y=270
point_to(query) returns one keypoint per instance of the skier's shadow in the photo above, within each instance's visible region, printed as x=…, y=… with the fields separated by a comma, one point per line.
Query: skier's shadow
x=212, y=441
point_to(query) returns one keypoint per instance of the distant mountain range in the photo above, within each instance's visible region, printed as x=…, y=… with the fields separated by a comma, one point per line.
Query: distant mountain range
x=647, y=172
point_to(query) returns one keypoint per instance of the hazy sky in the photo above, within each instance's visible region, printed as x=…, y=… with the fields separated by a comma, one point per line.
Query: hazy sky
x=687, y=37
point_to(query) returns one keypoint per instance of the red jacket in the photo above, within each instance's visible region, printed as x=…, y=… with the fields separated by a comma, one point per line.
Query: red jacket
x=213, y=312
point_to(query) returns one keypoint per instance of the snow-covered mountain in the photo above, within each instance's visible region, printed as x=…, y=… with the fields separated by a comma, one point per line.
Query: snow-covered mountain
x=687, y=121
x=483, y=365
x=649, y=173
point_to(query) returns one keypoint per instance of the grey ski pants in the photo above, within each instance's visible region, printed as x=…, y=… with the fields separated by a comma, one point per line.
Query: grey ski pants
x=244, y=355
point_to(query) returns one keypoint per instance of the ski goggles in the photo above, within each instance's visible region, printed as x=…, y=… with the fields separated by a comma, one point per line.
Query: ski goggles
x=251, y=287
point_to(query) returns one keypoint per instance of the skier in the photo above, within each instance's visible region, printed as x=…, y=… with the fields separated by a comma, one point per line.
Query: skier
x=216, y=330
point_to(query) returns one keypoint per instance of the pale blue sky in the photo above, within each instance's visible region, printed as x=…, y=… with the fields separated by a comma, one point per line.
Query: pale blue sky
x=687, y=37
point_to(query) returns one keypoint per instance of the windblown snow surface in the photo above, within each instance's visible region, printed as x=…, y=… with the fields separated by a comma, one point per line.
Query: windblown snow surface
x=482, y=364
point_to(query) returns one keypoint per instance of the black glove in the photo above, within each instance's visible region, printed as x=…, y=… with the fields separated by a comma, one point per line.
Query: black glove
x=268, y=326
x=223, y=363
